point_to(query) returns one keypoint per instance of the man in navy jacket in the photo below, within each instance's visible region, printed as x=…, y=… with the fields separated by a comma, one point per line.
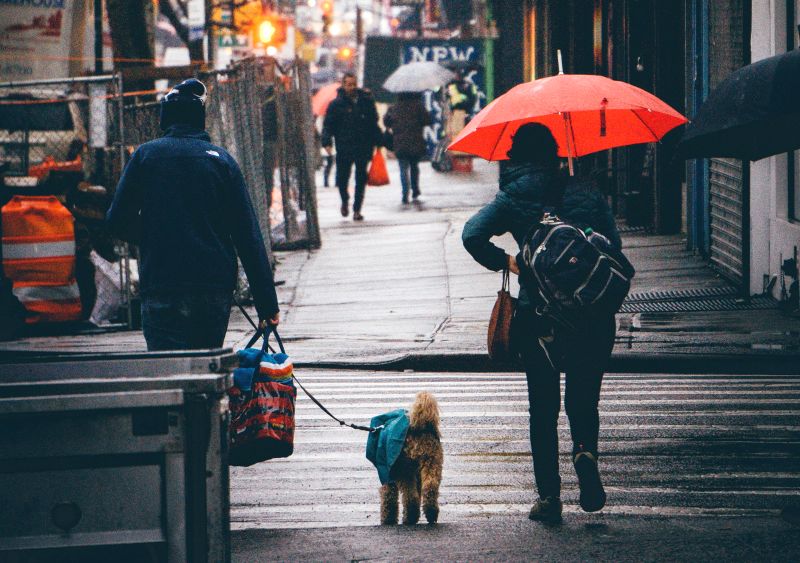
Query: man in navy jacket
x=184, y=202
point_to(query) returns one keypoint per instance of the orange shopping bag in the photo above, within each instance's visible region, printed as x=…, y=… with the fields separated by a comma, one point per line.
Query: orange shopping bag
x=377, y=174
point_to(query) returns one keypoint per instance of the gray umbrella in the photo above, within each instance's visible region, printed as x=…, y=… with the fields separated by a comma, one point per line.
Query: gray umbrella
x=418, y=77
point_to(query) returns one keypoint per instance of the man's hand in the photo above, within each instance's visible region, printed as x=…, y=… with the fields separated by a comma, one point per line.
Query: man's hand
x=274, y=321
x=512, y=265
x=329, y=150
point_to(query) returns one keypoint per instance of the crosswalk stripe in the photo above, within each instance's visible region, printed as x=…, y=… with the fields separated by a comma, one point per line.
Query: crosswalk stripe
x=444, y=405
x=727, y=445
x=444, y=392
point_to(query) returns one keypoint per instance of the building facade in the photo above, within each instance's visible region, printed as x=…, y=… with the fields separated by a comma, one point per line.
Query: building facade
x=774, y=182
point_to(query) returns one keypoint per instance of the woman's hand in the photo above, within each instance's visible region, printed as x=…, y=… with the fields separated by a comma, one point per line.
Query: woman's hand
x=512, y=265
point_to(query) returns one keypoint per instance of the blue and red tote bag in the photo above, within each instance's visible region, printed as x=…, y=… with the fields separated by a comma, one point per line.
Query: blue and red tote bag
x=262, y=402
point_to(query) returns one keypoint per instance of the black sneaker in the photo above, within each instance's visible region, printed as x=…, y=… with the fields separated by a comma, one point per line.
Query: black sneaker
x=547, y=510
x=345, y=210
x=357, y=216
x=593, y=497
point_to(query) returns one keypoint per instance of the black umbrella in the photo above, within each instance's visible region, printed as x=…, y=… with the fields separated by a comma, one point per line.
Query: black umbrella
x=752, y=114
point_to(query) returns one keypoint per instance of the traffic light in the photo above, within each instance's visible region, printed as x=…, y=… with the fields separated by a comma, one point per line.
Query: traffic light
x=270, y=31
x=345, y=53
x=266, y=32
x=327, y=14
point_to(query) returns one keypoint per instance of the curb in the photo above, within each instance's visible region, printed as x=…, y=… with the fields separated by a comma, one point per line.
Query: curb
x=728, y=364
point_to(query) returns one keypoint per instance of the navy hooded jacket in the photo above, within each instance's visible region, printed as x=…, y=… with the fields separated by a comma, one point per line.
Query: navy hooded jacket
x=519, y=205
x=184, y=201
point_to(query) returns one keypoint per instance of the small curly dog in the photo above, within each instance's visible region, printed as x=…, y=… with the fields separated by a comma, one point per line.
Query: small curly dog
x=417, y=473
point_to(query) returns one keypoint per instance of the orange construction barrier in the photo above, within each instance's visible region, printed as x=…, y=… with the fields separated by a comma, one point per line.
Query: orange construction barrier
x=39, y=257
x=49, y=164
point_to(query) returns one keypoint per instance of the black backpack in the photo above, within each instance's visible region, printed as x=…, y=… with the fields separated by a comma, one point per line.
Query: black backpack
x=577, y=273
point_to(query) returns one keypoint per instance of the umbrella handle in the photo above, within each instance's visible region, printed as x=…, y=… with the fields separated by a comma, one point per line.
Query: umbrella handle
x=567, y=129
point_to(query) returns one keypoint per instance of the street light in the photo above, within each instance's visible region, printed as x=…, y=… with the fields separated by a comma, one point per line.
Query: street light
x=327, y=14
x=266, y=32
x=271, y=31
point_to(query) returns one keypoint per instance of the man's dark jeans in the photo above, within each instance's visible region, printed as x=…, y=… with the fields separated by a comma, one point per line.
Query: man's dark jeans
x=344, y=162
x=409, y=176
x=186, y=321
x=581, y=394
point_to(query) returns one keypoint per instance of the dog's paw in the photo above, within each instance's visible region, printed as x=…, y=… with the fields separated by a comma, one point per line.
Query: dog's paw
x=432, y=514
x=411, y=516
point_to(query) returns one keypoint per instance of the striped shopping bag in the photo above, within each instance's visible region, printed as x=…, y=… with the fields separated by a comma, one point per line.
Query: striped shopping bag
x=262, y=402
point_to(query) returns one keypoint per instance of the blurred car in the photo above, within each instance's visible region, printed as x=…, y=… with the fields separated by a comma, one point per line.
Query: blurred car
x=38, y=127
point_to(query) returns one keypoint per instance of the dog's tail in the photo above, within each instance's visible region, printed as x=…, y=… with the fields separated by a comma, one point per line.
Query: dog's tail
x=424, y=412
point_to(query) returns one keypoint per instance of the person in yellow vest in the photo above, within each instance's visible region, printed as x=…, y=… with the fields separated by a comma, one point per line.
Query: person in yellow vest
x=461, y=97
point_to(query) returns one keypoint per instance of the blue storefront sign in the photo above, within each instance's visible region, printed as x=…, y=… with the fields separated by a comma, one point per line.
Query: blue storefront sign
x=385, y=54
x=442, y=52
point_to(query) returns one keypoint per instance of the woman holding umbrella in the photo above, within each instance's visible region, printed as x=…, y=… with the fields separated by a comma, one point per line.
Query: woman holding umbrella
x=407, y=120
x=530, y=185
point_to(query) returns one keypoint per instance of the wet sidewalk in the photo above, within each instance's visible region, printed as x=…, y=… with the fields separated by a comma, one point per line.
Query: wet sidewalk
x=399, y=291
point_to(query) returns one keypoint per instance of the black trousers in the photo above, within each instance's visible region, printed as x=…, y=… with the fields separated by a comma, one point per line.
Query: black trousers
x=584, y=378
x=344, y=162
x=187, y=320
x=326, y=172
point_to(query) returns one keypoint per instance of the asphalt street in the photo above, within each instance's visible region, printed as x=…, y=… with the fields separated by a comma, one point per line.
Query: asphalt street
x=694, y=466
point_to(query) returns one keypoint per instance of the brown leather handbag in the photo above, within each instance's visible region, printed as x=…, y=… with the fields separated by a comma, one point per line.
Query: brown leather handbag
x=499, y=336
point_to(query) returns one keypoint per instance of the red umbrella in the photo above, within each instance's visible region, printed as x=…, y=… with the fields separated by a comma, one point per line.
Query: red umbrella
x=323, y=97
x=585, y=113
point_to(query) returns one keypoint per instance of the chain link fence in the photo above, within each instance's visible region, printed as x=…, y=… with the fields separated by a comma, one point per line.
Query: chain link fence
x=63, y=138
x=259, y=112
x=71, y=138
x=296, y=153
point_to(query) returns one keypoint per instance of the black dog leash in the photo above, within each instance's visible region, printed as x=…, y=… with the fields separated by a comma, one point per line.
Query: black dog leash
x=326, y=411
x=263, y=332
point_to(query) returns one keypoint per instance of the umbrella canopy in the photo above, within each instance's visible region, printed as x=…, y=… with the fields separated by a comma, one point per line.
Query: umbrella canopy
x=585, y=113
x=752, y=114
x=322, y=99
x=418, y=77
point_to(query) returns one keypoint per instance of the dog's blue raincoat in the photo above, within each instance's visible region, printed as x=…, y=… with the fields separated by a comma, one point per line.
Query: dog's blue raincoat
x=384, y=445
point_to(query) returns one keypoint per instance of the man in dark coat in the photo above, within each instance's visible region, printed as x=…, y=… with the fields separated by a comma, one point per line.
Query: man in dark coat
x=352, y=121
x=184, y=201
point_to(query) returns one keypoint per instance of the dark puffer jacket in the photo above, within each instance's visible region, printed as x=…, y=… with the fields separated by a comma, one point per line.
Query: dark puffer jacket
x=525, y=192
x=407, y=120
x=353, y=124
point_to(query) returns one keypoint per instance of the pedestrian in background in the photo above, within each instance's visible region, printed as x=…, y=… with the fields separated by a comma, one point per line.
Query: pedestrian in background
x=351, y=121
x=530, y=185
x=461, y=95
x=184, y=202
x=407, y=120
x=327, y=157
